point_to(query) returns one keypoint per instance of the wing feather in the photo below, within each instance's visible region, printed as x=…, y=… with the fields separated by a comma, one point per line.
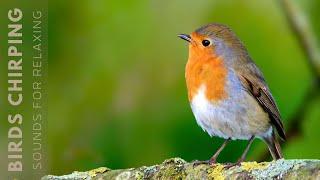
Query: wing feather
x=255, y=84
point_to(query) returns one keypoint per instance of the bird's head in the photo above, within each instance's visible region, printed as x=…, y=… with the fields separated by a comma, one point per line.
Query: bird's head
x=213, y=40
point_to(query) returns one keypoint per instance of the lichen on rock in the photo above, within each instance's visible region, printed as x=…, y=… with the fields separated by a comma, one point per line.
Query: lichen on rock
x=177, y=168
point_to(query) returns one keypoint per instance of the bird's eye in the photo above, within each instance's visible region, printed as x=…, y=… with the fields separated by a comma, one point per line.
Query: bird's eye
x=205, y=42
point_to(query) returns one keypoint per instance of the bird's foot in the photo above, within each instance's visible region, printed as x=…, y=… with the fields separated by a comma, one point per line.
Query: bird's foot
x=197, y=162
x=230, y=165
x=207, y=162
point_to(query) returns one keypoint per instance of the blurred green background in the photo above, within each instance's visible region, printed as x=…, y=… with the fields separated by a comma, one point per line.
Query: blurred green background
x=117, y=94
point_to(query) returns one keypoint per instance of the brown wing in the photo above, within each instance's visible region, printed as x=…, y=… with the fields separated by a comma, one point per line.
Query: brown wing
x=254, y=83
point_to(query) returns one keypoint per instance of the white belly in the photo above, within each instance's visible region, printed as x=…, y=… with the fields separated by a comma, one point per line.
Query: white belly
x=239, y=116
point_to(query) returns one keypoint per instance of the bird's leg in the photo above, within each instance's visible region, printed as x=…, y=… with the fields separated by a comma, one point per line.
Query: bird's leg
x=244, y=154
x=213, y=159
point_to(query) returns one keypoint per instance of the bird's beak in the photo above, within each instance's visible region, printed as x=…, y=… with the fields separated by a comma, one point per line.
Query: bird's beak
x=185, y=37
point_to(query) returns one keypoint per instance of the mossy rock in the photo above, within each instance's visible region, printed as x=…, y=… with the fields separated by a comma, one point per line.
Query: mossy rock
x=177, y=168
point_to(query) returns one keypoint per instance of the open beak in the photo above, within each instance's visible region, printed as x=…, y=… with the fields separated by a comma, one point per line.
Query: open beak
x=185, y=37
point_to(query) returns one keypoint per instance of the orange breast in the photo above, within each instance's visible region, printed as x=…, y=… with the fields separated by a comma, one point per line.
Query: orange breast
x=206, y=70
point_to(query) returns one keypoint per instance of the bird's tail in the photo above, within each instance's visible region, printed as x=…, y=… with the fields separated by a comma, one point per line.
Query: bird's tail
x=274, y=146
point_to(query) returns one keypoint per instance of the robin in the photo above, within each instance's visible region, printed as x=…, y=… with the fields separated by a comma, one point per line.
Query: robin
x=228, y=94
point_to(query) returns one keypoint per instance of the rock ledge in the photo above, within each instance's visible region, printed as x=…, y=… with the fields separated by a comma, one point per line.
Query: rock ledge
x=177, y=168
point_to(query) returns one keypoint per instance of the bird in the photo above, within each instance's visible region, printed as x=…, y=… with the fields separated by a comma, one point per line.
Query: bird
x=228, y=93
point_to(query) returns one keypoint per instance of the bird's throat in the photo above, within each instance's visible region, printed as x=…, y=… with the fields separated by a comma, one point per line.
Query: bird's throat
x=209, y=72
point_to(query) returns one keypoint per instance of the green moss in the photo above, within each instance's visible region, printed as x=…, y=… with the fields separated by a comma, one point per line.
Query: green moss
x=174, y=161
x=249, y=166
x=216, y=172
x=138, y=175
x=94, y=172
x=173, y=168
x=177, y=168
